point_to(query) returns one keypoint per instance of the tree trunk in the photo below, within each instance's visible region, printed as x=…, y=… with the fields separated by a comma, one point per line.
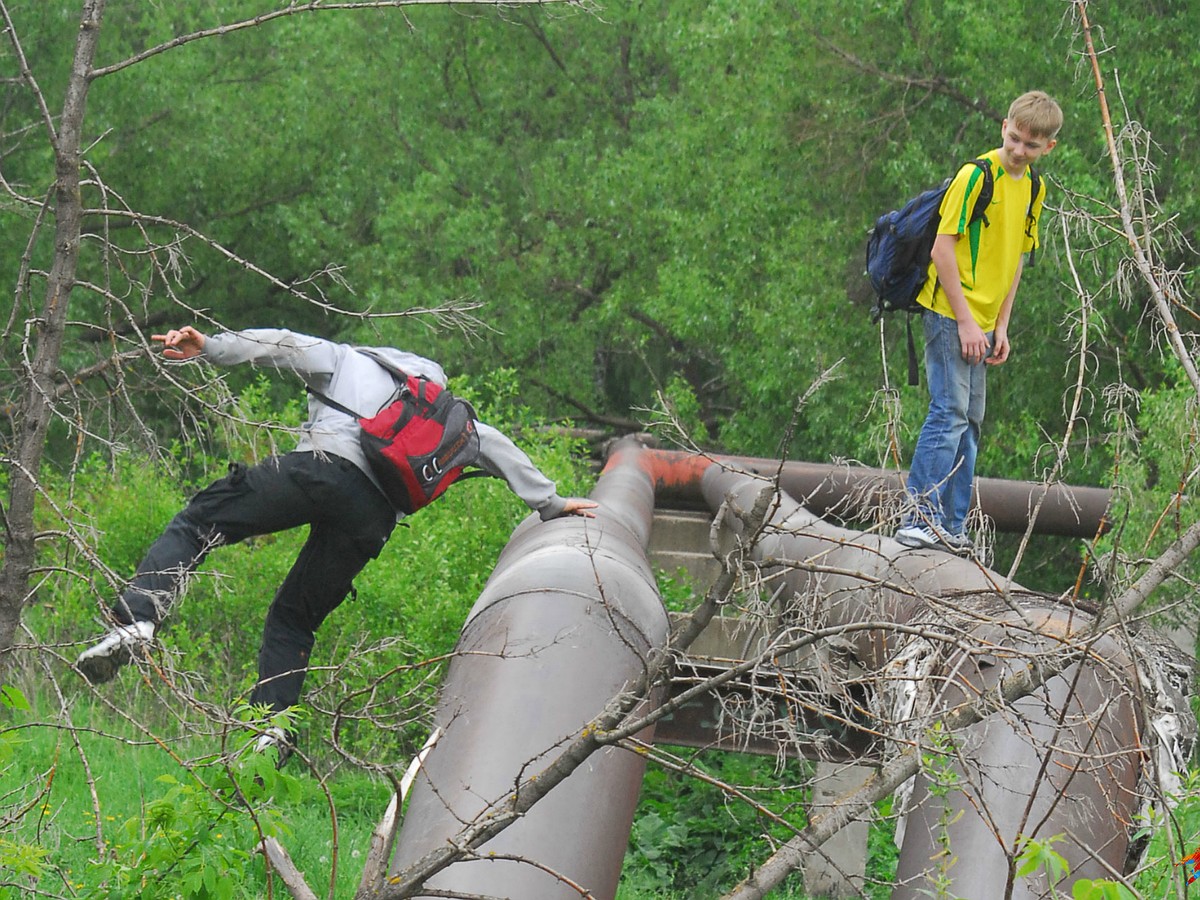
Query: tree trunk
x=33, y=418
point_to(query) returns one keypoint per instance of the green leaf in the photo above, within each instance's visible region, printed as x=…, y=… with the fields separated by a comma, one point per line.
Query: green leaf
x=1036, y=855
x=11, y=697
x=1100, y=889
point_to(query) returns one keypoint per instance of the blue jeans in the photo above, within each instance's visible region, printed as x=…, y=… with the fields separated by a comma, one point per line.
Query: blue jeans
x=943, y=467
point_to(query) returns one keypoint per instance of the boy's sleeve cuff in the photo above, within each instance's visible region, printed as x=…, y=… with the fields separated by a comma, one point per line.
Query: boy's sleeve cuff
x=553, y=508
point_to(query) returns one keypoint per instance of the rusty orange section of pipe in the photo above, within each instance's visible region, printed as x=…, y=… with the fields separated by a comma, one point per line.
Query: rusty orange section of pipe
x=673, y=473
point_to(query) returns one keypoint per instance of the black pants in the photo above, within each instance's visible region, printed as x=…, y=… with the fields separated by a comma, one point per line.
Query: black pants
x=350, y=522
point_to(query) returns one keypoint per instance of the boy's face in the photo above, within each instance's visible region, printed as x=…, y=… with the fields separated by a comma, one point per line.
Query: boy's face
x=1020, y=148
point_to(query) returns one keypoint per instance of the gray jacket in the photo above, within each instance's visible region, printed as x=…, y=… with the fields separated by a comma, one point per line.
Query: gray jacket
x=359, y=383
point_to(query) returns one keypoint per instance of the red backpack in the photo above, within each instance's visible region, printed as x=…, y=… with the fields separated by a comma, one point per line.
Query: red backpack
x=419, y=443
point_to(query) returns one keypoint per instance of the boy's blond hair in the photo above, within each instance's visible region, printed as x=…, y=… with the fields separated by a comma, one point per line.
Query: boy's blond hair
x=1037, y=112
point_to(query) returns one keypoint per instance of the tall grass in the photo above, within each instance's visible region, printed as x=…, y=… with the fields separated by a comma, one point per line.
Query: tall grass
x=109, y=813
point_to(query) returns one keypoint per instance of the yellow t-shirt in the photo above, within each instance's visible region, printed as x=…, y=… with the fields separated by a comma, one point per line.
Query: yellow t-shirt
x=988, y=255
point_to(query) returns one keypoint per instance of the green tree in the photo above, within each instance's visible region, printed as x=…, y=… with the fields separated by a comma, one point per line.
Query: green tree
x=669, y=197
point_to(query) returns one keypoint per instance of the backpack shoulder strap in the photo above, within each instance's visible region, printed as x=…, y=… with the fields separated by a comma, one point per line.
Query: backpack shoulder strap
x=329, y=401
x=979, y=210
x=1035, y=189
x=399, y=374
x=475, y=473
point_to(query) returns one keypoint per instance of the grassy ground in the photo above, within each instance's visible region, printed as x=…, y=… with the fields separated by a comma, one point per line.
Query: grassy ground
x=119, y=811
x=115, y=814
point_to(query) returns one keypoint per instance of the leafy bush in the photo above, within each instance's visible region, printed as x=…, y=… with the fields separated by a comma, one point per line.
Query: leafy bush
x=692, y=838
x=120, y=818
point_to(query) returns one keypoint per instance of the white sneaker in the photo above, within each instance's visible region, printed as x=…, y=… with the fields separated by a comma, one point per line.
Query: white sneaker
x=101, y=662
x=927, y=536
x=275, y=738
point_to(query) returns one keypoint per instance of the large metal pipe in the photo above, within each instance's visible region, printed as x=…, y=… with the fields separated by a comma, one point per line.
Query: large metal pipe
x=562, y=626
x=846, y=491
x=571, y=610
x=1064, y=761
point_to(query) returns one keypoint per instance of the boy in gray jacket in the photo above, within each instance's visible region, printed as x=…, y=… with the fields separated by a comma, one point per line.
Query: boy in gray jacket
x=325, y=482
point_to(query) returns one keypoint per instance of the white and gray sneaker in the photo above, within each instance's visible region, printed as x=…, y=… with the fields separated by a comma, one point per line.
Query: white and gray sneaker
x=101, y=662
x=927, y=536
x=275, y=738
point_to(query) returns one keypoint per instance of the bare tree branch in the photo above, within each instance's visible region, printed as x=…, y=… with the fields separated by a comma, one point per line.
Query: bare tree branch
x=315, y=6
x=1136, y=241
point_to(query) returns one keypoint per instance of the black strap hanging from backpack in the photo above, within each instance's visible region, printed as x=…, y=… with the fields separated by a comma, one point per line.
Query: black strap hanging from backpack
x=914, y=373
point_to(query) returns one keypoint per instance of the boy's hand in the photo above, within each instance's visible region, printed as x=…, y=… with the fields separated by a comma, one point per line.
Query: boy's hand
x=181, y=343
x=972, y=339
x=1000, y=349
x=577, y=506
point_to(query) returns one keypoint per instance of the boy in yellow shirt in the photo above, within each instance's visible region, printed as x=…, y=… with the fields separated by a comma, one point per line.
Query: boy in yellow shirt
x=968, y=299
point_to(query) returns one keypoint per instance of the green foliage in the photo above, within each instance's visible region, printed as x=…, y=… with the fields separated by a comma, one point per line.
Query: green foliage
x=692, y=838
x=13, y=699
x=1158, y=451
x=1034, y=855
x=23, y=861
x=105, y=492
x=1170, y=834
x=189, y=835
x=938, y=762
x=186, y=841
x=882, y=852
x=684, y=409
x=19, y=859
x=672, y=198
x=677, y=591
x=166, y=830
x=1100, y=889
x=938, y=758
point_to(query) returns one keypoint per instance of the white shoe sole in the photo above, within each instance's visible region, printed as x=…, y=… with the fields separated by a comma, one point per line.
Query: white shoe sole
x=101, y=663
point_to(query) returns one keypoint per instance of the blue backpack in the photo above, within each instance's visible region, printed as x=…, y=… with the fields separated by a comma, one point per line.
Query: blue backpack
x=901, y=241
